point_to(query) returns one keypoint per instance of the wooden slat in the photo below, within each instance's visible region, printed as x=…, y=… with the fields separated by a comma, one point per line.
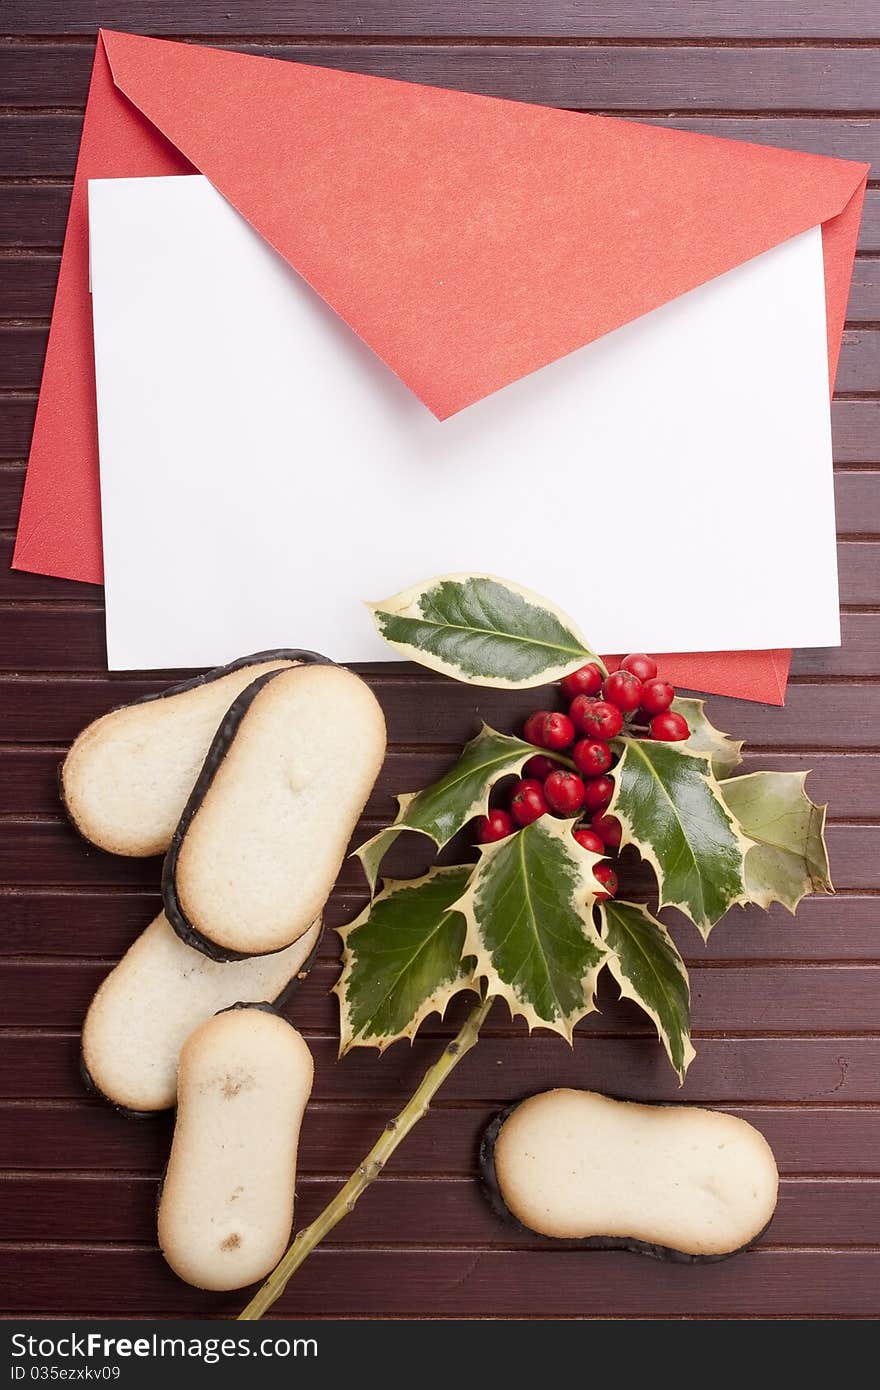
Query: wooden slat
x=864, y=306
x=856, y=501
x=43, y=145
x=859, y=364
x=102, y=923
x=856, y=495
x=11, y=484
x=854, y=657
x=63, y=637
x=35, y=215
x=35, y=635
x=45, y=74
x=22, y=350
x=418, y=18
x=832, y=1140
x=36, y=710
x=18, y=586
x=812, y=717
x=843, y=138
x=858, y=566
x=521, y=1283
x=727, y=1071
x=850, y=782
x=50, y=853
x=48, y=1207
x=16, y=425
x=859, y=571
x=27, y=291
x=629, y=78
x=29, y=779
x=733, y=999
x=855, y=427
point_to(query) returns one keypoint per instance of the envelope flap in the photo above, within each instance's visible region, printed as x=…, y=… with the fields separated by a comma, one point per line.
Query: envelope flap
x=470, y=240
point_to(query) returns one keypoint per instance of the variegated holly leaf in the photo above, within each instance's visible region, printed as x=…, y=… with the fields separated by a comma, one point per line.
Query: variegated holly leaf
x=644, y=961
x=482, y=630
x=725, y=752
x=402, y=959
x=445, y=807
x=789, y=858
x=670, y=807
x=529, y=913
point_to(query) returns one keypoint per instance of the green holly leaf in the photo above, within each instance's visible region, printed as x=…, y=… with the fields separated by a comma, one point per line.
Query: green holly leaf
x=725, y=752
x=442, y=809
x=670, y=807
x=483, y=631
x=529, y=914
x=645, y=962
x=789, y=858
x=402, y=959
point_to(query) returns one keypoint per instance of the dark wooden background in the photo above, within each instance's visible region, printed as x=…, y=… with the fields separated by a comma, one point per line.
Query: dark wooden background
x=786, y=1014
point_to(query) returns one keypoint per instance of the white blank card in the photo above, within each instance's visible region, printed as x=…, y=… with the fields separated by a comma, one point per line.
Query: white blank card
x=262, y=472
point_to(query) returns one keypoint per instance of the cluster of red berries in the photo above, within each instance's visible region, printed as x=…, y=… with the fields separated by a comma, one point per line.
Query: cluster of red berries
x=598, y=709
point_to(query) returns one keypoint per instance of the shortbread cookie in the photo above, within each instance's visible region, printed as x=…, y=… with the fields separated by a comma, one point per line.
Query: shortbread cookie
x=157, y=995
x=128, y=775
x=259, y=845
x=673, y=1181
x=226, y=1205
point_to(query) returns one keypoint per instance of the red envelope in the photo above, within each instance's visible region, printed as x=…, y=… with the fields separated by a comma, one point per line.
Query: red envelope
x=366, y=186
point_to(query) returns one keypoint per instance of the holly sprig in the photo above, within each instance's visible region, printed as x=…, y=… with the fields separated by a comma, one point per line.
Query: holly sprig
x=536, y=919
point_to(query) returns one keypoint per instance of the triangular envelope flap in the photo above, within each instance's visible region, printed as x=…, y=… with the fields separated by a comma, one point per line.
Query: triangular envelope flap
x=470, y=240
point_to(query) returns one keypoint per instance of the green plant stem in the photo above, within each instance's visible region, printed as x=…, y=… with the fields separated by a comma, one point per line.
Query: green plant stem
x=393, y=1134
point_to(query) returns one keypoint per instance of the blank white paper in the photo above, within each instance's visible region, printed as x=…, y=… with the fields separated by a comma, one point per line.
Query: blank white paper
x=262, y=472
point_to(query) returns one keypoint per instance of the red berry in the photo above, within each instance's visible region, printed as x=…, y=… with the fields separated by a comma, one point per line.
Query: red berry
x=645, y=667
x=531, y=728
x=586, y=681
x=609, y=830
x=590, y=840
x=608, y=879
x=539, y=766
x=598, y=791
x=591, y=756
x=557, y=731
x=564, y=792
x=496, y=826
x=596, y=718
x=669, y=727
x=549, y=729
x=528, y=802
x=657, y=695
x=624, y=690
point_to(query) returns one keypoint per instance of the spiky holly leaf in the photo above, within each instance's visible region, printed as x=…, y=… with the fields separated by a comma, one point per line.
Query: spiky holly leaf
x=670, y=807
x=402, y=959
x=644, y=961
x=725, y=752
x=789, y=858
x=482, y=630
x=445, y=807
x=529, y=914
